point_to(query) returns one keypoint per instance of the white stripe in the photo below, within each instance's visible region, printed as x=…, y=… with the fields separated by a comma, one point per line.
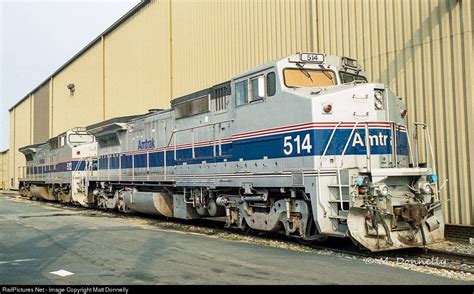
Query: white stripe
x=16, y=261
x=204, y=176
x=62, y=273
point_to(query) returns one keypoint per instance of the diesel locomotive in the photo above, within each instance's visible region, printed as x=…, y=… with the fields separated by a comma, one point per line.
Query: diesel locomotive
x=304, y=145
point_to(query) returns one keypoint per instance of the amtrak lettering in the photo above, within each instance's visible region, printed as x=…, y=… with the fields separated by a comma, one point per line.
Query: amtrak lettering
x=146, y=144
x=375, y=140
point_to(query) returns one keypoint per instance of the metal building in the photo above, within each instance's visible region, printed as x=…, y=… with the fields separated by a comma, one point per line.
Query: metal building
x=422, y=49
x=4, y=180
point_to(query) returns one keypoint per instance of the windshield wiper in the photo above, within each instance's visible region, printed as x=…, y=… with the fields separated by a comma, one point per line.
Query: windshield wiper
x=328, y=75
x=304, y=71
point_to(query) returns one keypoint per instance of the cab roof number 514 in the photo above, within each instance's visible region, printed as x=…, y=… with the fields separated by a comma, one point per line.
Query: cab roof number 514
x=312, y=57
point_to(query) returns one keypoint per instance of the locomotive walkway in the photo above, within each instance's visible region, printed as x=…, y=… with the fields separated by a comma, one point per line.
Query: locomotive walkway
x=40, y=244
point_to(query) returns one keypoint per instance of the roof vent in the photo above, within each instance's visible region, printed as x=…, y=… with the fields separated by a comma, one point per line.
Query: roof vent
x=153, y=110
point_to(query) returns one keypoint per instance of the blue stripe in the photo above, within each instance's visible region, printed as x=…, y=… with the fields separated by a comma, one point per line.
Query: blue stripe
x=272, y=146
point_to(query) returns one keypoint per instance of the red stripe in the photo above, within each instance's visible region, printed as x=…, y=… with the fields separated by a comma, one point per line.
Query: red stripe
x=270, y=131
x=314, y=126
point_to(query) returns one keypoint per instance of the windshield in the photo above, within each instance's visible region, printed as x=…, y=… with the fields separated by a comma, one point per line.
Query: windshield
x=300, y=77
x=349, y=78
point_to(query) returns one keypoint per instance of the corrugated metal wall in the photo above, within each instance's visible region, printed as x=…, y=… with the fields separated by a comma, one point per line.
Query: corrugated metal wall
x=11, y=139
x=41, y=114
x=4, y=180
x=21, y=134
x=215, y=40
x=422, y=49
x=137, y=62
x=84, y=106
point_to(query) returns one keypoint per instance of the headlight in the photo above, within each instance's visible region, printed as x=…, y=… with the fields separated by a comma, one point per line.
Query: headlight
x=378, y=104
x=378, y=99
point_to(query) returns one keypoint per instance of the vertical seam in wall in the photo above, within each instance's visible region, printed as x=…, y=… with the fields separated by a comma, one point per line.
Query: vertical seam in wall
x=340, y=47
x=443, y=91
x=433, y=76
x=170, y=24
x=395, y=52
x=404, y=51
x=465, y=108
x=410, y=91
x=310, y=20
x=452, y=122
x=379, y=44
x=103, y=77
x=316, y=27
x=14, y=148
x=31, y=115
x=52, y=106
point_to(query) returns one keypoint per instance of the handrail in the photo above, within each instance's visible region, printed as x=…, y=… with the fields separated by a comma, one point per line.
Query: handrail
x=411, y=159
x=427, y=134
x=340, y=165
x=368, y=147
x=321, y=163
x=147, y=165
x=428, y=138
x=76, y=168
x=393, y=146
x=188, y=129
x=431, y=150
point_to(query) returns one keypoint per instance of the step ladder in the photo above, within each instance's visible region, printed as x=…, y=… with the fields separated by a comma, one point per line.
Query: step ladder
x=340, y=196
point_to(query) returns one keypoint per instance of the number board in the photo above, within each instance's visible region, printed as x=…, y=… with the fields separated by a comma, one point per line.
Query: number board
x=312, y=57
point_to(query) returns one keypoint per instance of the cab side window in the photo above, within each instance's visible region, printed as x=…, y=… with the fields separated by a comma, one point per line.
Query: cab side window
x=241, y=93
x=254, y=87
x=271, y=84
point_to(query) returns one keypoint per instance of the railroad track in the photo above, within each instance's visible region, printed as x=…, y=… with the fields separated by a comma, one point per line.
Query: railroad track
x=439, y=259
x=459, y=262
x=456, y=256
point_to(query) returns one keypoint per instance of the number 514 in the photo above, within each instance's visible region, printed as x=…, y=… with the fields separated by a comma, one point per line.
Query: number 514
x=291, y=143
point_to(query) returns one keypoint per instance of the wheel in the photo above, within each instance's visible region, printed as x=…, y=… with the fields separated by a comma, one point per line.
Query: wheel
x=305, y=242
x=315, y=239
x=312, y=234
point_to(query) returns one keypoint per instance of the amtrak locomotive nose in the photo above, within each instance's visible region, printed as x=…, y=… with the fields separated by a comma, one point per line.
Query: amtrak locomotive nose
x=304, y=145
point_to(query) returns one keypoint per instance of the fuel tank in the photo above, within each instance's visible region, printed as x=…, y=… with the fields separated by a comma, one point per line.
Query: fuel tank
x=41, y=192
x=149, y=202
